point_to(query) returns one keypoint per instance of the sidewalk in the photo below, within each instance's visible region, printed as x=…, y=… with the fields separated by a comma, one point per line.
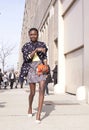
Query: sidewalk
x=60, y=112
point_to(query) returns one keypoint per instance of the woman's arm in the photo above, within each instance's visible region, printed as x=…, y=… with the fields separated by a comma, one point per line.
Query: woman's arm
x=31, y=55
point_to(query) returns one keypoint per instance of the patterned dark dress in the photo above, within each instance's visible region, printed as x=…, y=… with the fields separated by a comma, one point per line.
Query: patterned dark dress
x=29, y=66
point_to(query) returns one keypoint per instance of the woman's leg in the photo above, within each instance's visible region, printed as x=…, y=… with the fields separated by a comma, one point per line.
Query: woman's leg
x=31, y=96
x=41, y=98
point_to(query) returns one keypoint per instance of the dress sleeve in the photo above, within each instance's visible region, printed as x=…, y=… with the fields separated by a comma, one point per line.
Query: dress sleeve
x=26, y=53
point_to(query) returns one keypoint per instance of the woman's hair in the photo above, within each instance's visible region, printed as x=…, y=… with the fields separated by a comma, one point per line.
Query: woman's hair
x=31, y=29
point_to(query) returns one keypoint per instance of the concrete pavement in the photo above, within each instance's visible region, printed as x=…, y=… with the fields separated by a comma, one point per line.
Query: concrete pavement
x=60, y=112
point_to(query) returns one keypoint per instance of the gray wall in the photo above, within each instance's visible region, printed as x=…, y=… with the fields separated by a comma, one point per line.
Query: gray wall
x=74, y=45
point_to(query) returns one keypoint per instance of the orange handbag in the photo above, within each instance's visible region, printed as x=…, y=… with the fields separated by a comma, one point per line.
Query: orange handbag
x=42, y=69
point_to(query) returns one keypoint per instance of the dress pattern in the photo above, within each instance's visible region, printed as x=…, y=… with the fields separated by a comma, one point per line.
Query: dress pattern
x=32, y=76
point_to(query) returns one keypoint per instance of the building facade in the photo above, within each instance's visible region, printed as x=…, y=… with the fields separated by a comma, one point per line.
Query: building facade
x=63, y=26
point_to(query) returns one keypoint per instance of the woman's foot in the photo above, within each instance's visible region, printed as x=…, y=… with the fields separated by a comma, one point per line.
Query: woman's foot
x=29, y=110
x=38, y=117
x=38, y=121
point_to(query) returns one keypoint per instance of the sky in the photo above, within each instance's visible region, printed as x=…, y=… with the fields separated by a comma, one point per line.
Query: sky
x=11, y=19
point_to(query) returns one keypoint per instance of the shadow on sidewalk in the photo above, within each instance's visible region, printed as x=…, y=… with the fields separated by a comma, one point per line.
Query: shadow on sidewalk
x=2, y=104
x=49, y=106
x=61, y=102
x=47, y=109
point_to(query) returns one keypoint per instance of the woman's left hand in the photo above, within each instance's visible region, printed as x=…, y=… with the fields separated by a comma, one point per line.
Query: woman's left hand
x=40, y=49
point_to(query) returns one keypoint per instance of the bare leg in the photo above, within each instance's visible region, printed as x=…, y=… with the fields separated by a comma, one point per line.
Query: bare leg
x=31, y=96
x=41, y=98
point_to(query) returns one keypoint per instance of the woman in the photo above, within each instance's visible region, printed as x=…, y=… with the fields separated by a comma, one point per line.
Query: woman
x=34, y=53
x=48, y=80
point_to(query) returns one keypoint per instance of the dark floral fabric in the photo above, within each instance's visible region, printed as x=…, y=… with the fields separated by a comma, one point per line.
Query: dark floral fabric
x=26, y=50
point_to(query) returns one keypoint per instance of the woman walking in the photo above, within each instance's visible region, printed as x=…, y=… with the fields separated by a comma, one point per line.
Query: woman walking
x=34, y=55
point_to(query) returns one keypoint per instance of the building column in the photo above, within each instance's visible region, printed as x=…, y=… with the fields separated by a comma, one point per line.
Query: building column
x=60, y=87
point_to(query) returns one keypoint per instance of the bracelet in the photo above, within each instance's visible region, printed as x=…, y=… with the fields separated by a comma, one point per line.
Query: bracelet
x=45, y=59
